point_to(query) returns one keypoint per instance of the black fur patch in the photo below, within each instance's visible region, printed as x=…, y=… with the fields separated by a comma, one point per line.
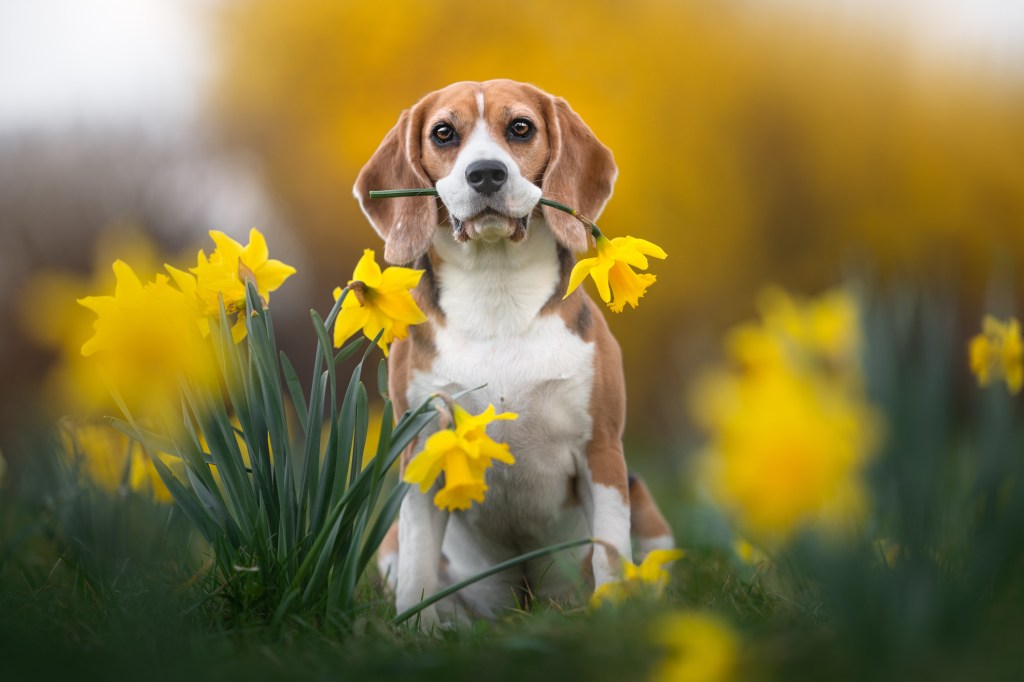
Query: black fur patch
x=429, y=281
x=583, y=322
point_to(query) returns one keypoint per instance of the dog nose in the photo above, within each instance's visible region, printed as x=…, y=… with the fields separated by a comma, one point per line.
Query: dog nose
x=486, y=176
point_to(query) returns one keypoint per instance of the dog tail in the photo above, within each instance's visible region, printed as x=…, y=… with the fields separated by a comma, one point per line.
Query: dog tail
x=647, y=524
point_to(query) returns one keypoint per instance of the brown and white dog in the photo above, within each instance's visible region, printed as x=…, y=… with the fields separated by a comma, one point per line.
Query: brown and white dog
x=497, y=265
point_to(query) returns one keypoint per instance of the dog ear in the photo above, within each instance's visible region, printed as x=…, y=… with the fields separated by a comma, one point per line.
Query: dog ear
x=580, y=174
x=406, y=224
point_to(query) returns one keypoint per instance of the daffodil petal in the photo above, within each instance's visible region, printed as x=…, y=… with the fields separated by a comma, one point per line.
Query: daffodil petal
x=599, y=274
x=649, y=248
x=128, y=283
x=401, y=307
x=579, y=274
x=272, y=275
x=350, y=320
x=399, y=278
x=255, y=252
x=367, y=271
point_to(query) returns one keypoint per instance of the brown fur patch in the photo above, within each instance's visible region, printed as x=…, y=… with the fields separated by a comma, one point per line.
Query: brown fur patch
x=605, y=457
x=580, y=174
x=504, y=101
x=646, y=520
x=389, y=544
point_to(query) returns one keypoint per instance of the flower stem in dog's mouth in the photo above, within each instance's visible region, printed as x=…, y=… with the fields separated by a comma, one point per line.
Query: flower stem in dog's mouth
x=431, y=192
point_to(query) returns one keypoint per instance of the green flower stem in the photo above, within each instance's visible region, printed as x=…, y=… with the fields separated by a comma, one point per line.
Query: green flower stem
x=505, y=565
x=431, y=192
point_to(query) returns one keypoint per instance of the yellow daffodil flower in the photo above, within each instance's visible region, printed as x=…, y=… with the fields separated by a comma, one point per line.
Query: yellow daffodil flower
x=113, y=462
x=791, y=430
x=823, y=330
x=378, y=300
x=998, y=353
x=649, y=577
x=463, y=454
x=788, y=449
x=612, y=270
x=224, y=275
x=146, y=337
x=699, y=647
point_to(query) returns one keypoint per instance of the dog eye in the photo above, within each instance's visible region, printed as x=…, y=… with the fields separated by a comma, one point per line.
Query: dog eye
x=520, y=129
x=443, y=134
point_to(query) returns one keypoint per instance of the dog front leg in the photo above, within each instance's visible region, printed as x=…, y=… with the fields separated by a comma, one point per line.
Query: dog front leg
x=604, y=493
x=421, y=527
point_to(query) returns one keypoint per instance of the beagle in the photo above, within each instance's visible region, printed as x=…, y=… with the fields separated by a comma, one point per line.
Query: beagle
x=496, y=268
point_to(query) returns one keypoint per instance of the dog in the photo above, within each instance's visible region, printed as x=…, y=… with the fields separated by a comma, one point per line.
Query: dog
x=496, y=269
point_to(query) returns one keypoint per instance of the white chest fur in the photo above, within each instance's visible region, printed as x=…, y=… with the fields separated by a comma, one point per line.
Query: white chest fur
x=528, y=363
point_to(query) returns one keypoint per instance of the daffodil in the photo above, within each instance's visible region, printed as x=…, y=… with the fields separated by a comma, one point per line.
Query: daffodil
x=998, y=353
x=649, y=577
x=113, y=462
x=146, y=337
x=698, y=647
x=787, y=451
x=223, y=276
x=463, y=454
x=791, y=430
x=378, y=300
x=824, y=330
x=71, y=385
x=612, y=270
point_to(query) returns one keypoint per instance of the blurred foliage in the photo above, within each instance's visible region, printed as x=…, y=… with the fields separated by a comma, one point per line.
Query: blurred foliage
x=754, y=145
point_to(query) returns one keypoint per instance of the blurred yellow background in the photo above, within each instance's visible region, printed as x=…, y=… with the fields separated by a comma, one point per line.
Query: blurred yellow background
x=757, y=142
x=756, y=146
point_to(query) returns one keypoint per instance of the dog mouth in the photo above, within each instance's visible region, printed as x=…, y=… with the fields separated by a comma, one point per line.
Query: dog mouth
x=490, y=225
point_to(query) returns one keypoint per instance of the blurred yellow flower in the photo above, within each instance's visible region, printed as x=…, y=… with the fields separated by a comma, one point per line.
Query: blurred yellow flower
x=113, y=461
x=464, y=454
x=699, y=647
x=787, y=450
x=612, y=270
x=650, y=577
x=73, y=385
x=825, y=329
x=225, y=273
x=998, y=353
x=146, y=337
x=790, y=429
x=748, y=553
x=378, y=301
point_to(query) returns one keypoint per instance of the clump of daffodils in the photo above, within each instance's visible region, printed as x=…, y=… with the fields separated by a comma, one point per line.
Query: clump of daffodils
x=649, y=578
x=221, y=278
x=378, y=301
x=998, y=354
x=463, y=454
x=149, y=335
x=790, y=428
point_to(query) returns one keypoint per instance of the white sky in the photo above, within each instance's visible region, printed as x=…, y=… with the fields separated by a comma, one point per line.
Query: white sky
x=134, y=62
x=141, y=63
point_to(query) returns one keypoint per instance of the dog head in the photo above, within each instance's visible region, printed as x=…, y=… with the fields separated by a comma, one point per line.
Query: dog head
x=491, y=150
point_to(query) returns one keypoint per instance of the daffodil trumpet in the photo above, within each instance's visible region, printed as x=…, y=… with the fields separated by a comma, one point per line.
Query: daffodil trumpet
x=431, y=192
